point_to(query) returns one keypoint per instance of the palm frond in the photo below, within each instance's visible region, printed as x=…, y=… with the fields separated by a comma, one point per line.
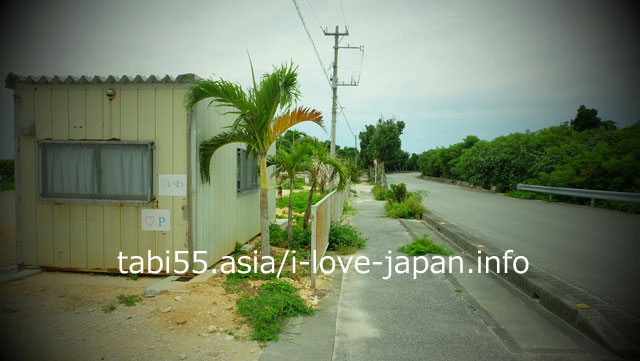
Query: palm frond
x=208, y=147
x=222, y=91
x=291, y=162
x=291, y=118
x=338, y=170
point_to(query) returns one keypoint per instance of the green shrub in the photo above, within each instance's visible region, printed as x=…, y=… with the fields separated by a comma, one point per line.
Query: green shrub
x=398, y=192
x=237, y=250
x=410, y=208
x=344, y=238
x=275, y=301
x=422, y=246
x=301, y=237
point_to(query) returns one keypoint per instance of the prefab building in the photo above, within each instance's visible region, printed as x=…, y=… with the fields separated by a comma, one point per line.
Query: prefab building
x=110, y=164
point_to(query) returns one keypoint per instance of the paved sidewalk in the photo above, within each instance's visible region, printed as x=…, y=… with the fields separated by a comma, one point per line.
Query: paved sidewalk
x=402, y=318
x=457, y=316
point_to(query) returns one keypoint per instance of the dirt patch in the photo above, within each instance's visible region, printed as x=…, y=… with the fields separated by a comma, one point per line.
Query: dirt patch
x=60, y=316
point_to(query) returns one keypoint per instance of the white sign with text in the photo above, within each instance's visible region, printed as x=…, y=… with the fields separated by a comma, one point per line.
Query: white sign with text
x=156, y=220
x=172, y=185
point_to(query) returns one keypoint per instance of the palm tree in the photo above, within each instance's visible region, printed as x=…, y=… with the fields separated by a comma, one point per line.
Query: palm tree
x=324, y=169
x=291, y=163
x=256, y=124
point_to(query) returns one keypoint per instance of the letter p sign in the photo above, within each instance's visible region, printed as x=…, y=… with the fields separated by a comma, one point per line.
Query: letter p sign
x=162, y=219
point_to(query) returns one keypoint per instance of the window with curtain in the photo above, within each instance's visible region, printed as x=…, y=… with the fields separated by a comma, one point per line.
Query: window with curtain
x=106, y=171
x=247, y=173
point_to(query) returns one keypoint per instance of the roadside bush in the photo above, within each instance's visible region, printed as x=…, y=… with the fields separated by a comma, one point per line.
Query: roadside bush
x=345, y=239
x=422, y=246
x=411, y=207
x=397, y=193
x=379, y=193
x=275, y=301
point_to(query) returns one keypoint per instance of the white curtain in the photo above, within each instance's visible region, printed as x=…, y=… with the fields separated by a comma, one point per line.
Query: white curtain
x=126, y=170
x=70, y=170
x=88, y=171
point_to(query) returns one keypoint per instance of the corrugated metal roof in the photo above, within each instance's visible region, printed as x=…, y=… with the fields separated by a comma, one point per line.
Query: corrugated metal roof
x=13, y=79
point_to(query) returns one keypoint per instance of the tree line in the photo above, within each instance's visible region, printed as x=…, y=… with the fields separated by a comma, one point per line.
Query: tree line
x=585, y=153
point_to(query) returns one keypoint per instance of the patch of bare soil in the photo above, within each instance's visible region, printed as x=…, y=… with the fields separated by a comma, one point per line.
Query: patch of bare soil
x=60, y=316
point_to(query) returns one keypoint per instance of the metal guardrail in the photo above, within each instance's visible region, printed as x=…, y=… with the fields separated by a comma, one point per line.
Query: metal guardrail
x=584, y=193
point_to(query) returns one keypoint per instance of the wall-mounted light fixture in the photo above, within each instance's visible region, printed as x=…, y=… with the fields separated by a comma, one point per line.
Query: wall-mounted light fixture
x=111, y=94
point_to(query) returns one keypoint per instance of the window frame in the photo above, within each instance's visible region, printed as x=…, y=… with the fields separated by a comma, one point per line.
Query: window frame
x=242, y=158
x=149, y=199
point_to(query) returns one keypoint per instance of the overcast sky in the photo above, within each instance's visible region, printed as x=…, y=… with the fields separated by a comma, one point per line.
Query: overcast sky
x=446, y=68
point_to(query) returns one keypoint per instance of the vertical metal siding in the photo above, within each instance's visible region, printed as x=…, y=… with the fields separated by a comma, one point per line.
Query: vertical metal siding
x=73, y=235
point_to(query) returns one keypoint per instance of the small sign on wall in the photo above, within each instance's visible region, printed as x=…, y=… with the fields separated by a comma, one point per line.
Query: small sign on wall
x=156, y=220
x=172, y=185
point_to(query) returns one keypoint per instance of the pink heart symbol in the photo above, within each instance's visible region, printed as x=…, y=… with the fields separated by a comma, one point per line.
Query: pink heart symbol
x=149, y=220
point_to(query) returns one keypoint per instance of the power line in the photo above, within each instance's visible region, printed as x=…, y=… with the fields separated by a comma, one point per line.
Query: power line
x=314, y=14
x=343, y=18
x=304, y=24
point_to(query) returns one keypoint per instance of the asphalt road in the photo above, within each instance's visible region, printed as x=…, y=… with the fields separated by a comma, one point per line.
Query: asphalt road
x=591, y=248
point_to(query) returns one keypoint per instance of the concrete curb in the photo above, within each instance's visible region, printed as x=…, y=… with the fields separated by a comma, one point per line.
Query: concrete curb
x=15, y=274
x=540, y=286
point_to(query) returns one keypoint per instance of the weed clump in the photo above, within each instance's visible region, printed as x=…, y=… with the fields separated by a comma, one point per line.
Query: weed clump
x=301, y=238
x=129, y=300
x=345, y=239
x=348, y=209
x=403, y=204
x=275, y=301
x=108, y=308
x=422, y=246
x=379, y=192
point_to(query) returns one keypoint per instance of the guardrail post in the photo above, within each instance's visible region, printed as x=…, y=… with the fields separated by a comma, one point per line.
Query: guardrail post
x=593, y=202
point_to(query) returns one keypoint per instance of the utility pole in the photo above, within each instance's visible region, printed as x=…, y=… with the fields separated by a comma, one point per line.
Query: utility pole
x=334, y=81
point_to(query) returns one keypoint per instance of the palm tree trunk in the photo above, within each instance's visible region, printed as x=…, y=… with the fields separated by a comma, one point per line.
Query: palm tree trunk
x=307, y=212
x=290, y=216
x=264, y=208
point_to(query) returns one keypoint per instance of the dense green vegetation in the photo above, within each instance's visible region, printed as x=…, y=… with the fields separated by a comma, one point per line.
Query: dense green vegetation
x=345, y=239
x=7, y=173
x=400, y=203
x=299, y=200
x=586, y=154
x=382, y=142
x=422, y=246
x=301, y=238
x=275, y=301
